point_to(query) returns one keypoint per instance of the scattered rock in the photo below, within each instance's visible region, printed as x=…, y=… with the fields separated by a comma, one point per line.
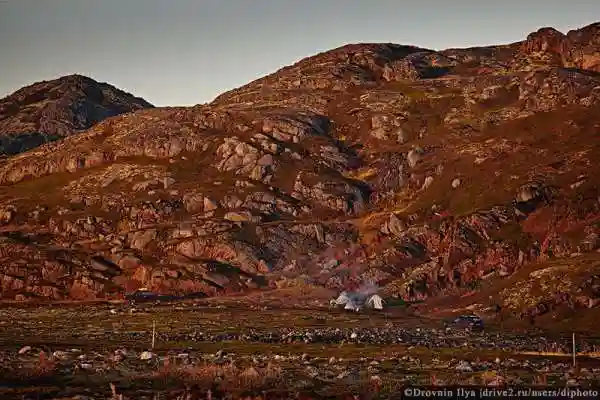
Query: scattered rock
x=464, y=366
x=146, y=355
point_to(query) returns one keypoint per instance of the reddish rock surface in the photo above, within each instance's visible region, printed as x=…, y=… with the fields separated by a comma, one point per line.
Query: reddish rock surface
x=433, y=174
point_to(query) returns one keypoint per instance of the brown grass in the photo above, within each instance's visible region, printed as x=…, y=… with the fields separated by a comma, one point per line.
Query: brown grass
x=43, y=367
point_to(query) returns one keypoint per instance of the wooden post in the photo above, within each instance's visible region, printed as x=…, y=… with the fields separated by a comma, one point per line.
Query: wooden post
x=574, y=351
x=153, y=333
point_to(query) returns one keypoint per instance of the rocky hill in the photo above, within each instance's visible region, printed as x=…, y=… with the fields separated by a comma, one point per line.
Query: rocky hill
x=432, y=173
x=50, y=110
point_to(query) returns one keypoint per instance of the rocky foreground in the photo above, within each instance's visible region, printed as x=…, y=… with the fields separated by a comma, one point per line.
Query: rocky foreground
x=430, y=173
x=90, y=352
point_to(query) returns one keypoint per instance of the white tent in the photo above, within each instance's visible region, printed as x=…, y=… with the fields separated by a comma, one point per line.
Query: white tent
x=351, y=305
x=343, y=299
x=376, y=302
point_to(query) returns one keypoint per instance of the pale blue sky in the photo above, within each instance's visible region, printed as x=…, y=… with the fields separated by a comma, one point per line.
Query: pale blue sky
x=184, y=52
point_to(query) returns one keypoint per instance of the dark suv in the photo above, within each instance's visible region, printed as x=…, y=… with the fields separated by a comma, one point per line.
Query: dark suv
x=471, y=322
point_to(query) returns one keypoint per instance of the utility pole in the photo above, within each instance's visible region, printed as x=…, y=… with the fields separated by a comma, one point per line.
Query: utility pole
x=574, y=351
x=153, y=333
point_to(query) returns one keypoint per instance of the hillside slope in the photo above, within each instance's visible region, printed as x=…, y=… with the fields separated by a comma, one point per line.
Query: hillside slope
x=431, y=173
x=49, y=110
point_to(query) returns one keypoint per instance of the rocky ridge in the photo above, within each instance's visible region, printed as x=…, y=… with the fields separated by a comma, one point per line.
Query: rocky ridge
x=50, y=110
x=432, y=173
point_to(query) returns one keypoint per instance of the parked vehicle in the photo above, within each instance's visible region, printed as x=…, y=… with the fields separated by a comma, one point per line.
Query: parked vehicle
x=145, y=295
x=470, y=322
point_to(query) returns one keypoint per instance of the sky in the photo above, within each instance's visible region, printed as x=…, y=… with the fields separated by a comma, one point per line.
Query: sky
x=186, y=52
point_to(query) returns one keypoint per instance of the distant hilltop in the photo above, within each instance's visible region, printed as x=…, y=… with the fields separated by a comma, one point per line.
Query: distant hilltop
x=50, y=110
